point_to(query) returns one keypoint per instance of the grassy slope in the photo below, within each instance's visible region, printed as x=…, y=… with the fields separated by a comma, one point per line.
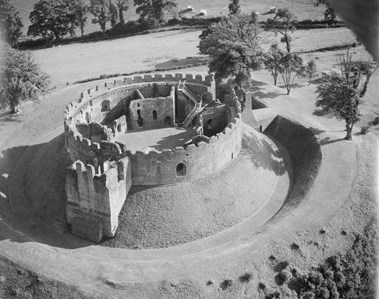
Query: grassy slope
x=303, y=8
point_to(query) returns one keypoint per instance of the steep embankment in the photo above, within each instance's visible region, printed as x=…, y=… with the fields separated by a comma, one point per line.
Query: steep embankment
x=305, y=152
x=168, y=215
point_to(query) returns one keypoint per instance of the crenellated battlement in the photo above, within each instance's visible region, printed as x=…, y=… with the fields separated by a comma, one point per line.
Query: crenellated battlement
x=103, y=169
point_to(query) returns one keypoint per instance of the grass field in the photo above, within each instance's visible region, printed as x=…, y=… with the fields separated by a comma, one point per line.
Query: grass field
x=304, y=9
x=73, y=62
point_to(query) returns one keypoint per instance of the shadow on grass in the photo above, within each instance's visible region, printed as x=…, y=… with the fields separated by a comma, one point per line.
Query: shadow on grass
x=177, y=32
x=262, y=154
x=305, y=152
x=188, y=61
x=256, y=90
x=34, y=217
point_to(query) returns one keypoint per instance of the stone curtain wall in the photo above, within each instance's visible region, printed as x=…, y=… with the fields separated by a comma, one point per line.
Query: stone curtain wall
x=189, y=163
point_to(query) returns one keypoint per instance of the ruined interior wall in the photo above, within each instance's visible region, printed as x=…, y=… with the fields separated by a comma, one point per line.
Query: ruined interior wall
x=183, y=107
x=152, y=113
x=193, y=162
x=214, y=120
x=155, y=90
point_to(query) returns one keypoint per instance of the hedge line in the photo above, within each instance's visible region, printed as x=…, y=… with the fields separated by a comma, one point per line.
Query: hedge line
x=132, y=28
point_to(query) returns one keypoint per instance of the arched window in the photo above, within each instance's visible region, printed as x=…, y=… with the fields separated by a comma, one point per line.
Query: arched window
x=181, y=169
x=154, y=115
x=88, y=117
x=105, y=106
x=139, y=119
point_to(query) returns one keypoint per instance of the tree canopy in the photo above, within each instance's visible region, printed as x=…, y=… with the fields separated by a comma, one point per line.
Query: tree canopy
x=283, y=23
x=234, y=7
x=339, y=95
x=100, y=10
x=82, y=10
x=21, y=78
x=291, y=66
x=329, y=14
x=122, y=5
x=53, y=19
x=233, y=45
x=153, y=9
x=272, y=61
x=10, y=23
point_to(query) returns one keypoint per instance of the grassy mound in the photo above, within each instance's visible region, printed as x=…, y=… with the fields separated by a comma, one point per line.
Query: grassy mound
x=163, y=216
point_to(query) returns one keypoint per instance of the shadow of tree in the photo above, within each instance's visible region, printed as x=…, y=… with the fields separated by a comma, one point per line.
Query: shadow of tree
x=188, y=61
x=262, y=154
x=328, y=140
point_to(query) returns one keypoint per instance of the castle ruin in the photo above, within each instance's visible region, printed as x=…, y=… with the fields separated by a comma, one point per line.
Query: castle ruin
x=104, y=137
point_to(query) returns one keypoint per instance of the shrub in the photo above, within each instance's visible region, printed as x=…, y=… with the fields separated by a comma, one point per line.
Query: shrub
x=365, y=130
x=226, y=283
x=246, y=277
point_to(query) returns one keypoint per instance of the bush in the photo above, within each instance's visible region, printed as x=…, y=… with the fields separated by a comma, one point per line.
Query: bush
x=34, y=43
x=129, y=27
x=365, y=130
x=285, y=276
x=348, y=276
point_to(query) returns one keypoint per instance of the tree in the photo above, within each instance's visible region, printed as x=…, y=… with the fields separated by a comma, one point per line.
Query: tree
x=122, y=5
x=113, y=14
x=310, y=70
x=153, y=9
x=329, y=14
x=81, y=14
x=282, y=23
x=53, y=19
x=272, y=61
x=234, y=7
x=10, y=23
x=100, y=10
x=290, y=67
x=233, y=45
x=22, y=80
x=339, y=96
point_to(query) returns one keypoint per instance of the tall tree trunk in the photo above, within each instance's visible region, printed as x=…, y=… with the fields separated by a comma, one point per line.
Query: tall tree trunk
x=12, y=106
x=287, y=43
x=349, y=131
x=121, y=15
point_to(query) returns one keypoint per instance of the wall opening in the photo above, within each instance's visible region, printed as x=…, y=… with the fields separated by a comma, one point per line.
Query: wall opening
x=119, y=127
x=232, y=156
x=167, y=121
x=181, y=169
x=140, y=119
x=88, y=117
x=105, y=106
x=154, y=115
